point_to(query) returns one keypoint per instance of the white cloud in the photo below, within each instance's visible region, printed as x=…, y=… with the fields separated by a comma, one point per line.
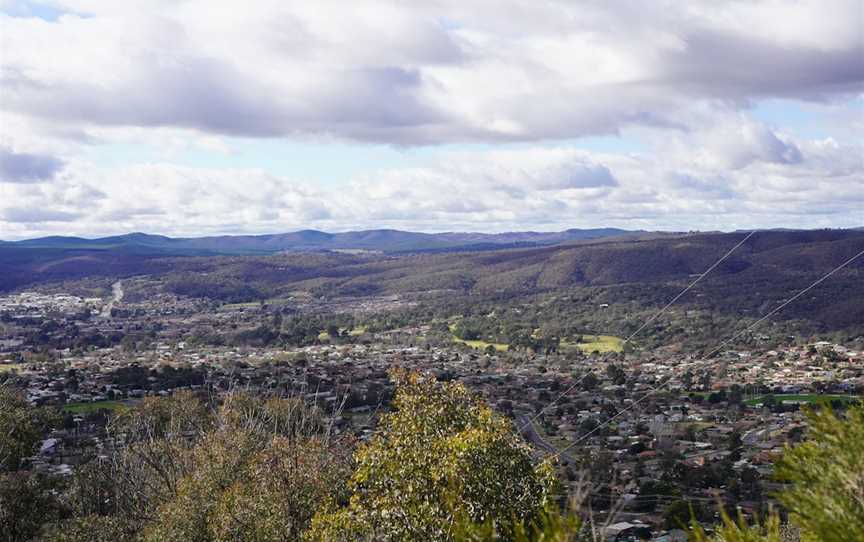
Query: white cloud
x=539, y=187
x=418, y=73
x=169, y=79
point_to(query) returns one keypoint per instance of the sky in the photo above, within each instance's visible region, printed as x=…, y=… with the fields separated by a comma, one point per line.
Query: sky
x=200, y=117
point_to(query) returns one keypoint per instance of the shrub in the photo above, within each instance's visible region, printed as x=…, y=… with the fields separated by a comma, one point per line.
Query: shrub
x=826, y=473
x=440, y=455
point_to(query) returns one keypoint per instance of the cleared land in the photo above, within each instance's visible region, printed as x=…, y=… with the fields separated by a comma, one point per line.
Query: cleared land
x=600, y=343
x=805, y=398
x=481, y=345
x=356, y=332
x=590, y=343
x=88, y=408
x=476, y=343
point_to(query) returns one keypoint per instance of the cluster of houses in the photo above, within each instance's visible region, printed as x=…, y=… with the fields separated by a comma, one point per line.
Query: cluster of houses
x=700, y=430
x=27, y=305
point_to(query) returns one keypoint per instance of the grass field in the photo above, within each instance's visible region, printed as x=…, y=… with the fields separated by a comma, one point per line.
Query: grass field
x=87, y=408
x=481, y=345
x=478, y=344
x=601, y=343
x=6, y=367
x=805, y=398
x=356, y=332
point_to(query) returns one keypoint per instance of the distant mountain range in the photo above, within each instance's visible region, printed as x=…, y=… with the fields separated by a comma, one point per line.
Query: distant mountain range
x=644, y=268
x=387, y=241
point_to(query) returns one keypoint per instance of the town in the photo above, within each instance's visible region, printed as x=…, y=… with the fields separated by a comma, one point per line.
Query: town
x=648, y=436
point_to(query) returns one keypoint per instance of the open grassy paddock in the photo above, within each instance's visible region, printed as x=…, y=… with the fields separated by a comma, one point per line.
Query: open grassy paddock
x=600, y=343
x=808, y=398
x=481, y=345
x=88, y=408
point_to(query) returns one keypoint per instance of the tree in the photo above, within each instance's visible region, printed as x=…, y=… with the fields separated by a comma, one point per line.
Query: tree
x=550, y=525
x=826, y=498
x=590, y=382
x=441, y=455
x=616, y=374
x=751, y=484
x=691, y=432
x=687, y=379
x=286, y=483
x=679, y=513
x=251, y=470
x=90, y=529
x=21, y=428
x=730, y=530
x=735, y=445
x=736, y=394
x=26, y=503
x=251, y=489
x=650, y=493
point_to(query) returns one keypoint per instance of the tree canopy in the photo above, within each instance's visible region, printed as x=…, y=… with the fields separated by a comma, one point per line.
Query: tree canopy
x=442, y=452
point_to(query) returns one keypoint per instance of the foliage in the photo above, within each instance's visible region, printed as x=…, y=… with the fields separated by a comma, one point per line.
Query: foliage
x=286, y=483
x=253, y=469
x=679, y=512
x=92, y=528
x=127, y=485
x=549, y=525
x=442, y=453
x=442, y=466
x=26, y=503
x=739, y=531
x=21, y=428
x=826, y=498
x=249, y=490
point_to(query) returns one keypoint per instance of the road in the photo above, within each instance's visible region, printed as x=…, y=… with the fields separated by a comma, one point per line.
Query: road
x=116, y=297
x=529, y=432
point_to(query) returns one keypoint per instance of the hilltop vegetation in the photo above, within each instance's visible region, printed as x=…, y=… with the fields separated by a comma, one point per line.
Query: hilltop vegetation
x=441, y=467
x=272, y=469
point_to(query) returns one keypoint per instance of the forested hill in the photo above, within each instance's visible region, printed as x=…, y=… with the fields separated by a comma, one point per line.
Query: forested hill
x=766, y=269
x=381, y=240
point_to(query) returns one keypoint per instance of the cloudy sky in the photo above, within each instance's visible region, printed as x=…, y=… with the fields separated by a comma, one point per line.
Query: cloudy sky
x=197, y=117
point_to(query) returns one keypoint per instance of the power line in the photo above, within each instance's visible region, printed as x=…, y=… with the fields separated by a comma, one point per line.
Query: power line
x=652, y=391
x=651, y=319
x=790, y=300
x=687, y=289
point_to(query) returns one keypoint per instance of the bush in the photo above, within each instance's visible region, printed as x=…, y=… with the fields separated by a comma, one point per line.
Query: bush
x=826, y=496
x=441, y=455
x=254, y=470
x=21, y=428
x=26, y=504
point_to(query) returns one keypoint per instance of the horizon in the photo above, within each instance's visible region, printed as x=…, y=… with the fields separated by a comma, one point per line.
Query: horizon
x=431, y=271
x=191, y=119
x=441, y=232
